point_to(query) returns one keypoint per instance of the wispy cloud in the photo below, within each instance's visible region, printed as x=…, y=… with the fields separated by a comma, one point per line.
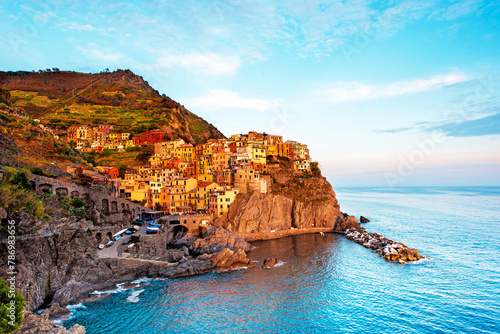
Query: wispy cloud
x=489, y=125
x=356, y=91
x=225, y=99
x=79, y=27
x=205, y=63
x=101, y=53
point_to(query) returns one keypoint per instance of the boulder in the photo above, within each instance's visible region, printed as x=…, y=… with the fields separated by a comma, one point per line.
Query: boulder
x=269, y=263
x=363, y=219
x=71, y=290
x=55, y=311
x=227, y=259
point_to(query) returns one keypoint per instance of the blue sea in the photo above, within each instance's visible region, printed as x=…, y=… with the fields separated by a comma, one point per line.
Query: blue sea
x=332, y=285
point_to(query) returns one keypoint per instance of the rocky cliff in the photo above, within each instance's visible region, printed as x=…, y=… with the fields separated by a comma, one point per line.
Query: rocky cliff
x=65, y=267
x=292, y=202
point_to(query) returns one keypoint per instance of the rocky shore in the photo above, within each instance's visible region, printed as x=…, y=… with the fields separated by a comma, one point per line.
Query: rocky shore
x=386, y=248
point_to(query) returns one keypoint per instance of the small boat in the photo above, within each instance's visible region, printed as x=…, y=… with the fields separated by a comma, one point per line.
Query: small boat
x=110, y=243
x=118, y=237
x=101, y=246
x=153, y=230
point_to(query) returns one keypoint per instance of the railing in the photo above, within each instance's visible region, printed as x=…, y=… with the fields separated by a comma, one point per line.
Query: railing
x=44, y=234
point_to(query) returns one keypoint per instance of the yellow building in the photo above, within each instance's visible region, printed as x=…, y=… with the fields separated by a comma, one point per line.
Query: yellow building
x=259, y=155
x=185, y=153
x=220, y=201
x=204, y=168
x=199, y=197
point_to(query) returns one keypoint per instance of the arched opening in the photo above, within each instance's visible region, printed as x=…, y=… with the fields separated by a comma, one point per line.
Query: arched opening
x=179, y=230
x=75, y=194
x=46, y=188
x=85, y=196
x=114, y=207
x=109, y=235
x=105, y=206
x=63, y=192
x=98, y=236
x=123, y=206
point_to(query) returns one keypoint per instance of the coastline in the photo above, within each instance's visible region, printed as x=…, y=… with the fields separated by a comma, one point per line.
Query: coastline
x=249, y=237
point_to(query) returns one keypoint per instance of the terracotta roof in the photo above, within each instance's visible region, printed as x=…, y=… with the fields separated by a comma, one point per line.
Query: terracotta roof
x=205, y=184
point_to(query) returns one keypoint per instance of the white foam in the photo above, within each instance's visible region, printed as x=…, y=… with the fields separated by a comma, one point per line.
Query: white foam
x=141, y=280
x=72, y=308
x=279, y=264
x=134, y=296
x=421, y=261
x=119, y=288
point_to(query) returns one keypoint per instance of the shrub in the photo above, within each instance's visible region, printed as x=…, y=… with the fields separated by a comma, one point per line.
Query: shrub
x=75, y=202
x=8, y=324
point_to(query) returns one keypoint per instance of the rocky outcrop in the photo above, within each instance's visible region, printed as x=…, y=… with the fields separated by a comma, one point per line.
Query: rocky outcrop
x=363, y=219
x=270, y=263
x=218, y=238
x=227, y=259
x=40, y=324
x=291, y=202
x=388, y=249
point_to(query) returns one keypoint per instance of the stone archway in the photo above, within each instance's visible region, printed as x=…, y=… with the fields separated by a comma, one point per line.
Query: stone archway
x=109, y=235
x=114, y=207
x=46, y=188
x=105, y=206
x=63, y=192
x=86, y=197
x=75, y=193
x=98, y=236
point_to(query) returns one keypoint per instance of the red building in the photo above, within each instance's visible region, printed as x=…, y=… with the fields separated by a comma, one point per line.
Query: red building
x=152, y=137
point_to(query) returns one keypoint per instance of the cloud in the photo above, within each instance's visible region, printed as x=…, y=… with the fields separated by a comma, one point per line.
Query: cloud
x=79, y=27
x=101, y=54
x=225, y=99
x=489, y=125
x=355, y=91
x=205, y=63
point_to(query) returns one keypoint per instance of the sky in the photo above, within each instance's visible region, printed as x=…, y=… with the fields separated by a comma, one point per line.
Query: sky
x=389, y=93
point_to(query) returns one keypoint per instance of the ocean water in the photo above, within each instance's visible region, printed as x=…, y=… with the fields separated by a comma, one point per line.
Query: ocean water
x=332, y=285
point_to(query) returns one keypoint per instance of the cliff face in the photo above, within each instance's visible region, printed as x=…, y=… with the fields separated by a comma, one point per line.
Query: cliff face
x=291, y=202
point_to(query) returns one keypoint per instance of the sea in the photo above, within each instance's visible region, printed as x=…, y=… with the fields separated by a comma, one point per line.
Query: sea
x=328, y=284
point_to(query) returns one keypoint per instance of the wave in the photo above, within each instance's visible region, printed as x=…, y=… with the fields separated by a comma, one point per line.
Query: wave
x=134, y=296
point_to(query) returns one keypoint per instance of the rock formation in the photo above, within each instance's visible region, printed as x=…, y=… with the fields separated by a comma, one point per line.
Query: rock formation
x=64, y=268
x=363, y=219
x=388, y=249
x=291, y=202
x=270, y=263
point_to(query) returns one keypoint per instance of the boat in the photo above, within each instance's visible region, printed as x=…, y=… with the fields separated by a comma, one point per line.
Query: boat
x=110, y=243
x=101, y=246
x=153, y=230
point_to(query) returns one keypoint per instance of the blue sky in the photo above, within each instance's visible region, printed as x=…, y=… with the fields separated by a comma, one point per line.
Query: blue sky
x=384, y=93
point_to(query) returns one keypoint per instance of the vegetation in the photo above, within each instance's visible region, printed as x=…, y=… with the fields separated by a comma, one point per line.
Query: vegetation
x=10, y=324
x=16, y=194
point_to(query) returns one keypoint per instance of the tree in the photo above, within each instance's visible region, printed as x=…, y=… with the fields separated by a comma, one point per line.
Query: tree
x=121, y=171
x=11, y=308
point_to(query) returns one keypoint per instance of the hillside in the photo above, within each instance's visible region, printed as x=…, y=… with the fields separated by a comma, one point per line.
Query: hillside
x=122, y=99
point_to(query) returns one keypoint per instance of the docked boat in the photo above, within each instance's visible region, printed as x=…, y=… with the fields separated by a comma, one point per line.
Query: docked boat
x=152, y=230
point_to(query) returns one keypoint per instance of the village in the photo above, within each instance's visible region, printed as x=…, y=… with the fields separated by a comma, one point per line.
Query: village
x=180, y=178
